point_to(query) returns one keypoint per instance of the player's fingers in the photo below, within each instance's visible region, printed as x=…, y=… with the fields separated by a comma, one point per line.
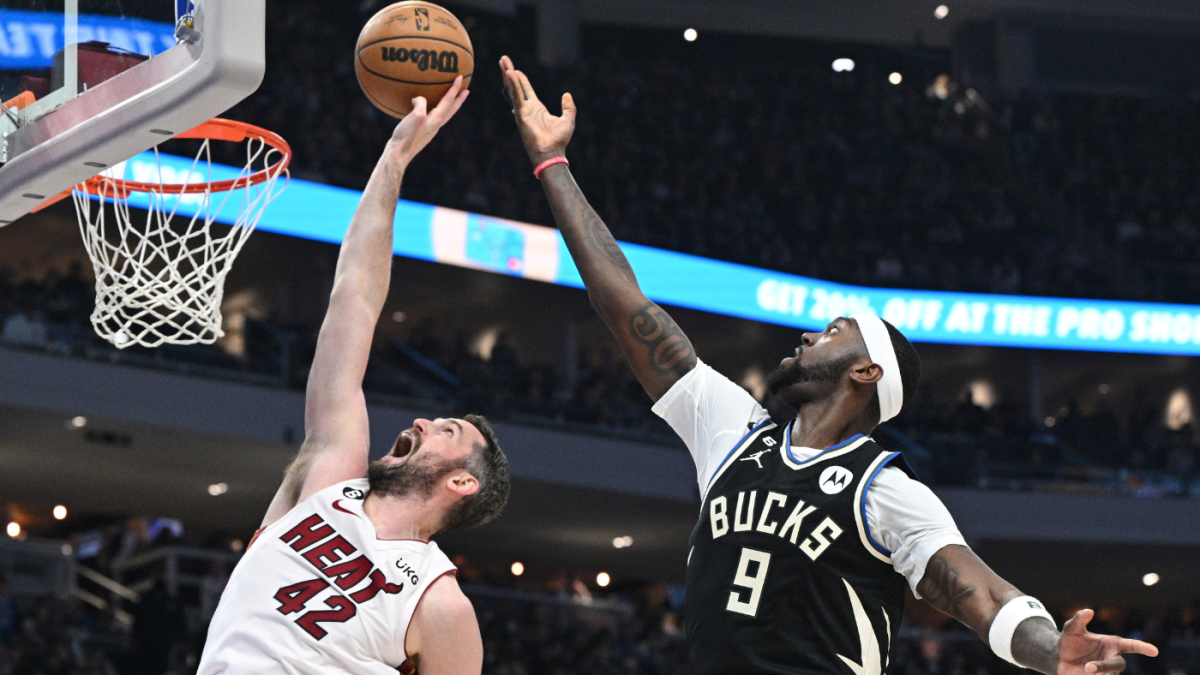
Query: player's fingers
x=1128, y=646
x=458, y=102
x=1113, y=665
x=568, y=108
x=526, y=88
x=512, y=87
x=1078, y=624
x=451, y=95
x=419, y=107
x=506, y=63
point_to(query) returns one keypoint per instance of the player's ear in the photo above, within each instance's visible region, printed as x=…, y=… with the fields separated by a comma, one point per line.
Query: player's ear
x=866, y=372
x=463, y=484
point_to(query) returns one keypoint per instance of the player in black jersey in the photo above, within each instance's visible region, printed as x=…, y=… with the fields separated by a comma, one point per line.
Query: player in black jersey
x=793, y=565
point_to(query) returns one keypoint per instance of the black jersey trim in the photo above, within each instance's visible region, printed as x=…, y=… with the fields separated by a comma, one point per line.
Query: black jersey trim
x=787, y=446
x=732, y=451
x=863, y=504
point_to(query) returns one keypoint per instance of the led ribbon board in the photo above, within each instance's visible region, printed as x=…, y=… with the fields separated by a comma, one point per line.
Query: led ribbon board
x=424, y=232
x=29, y=40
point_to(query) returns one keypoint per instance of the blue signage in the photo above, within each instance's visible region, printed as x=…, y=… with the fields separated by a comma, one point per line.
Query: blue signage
x=29, y=40
x=321, y=212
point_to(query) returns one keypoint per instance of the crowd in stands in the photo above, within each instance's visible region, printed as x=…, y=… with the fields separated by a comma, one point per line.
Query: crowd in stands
x=568, y=631
x=1134, y=452
x=834, y=175
x=837, y=175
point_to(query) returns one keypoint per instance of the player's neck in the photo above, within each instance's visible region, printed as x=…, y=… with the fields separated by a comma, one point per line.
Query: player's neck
x=830, y=421
x=400, y=518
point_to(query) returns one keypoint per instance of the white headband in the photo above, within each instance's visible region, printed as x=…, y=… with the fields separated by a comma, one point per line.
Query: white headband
x=881, y=351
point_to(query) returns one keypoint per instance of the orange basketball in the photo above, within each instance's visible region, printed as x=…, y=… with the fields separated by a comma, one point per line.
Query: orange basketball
x=412, y=49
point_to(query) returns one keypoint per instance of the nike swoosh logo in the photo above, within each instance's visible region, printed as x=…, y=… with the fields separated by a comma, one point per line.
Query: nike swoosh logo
x=338, y=508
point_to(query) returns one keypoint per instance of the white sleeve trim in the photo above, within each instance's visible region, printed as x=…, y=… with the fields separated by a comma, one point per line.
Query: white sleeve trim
x=709, y=413
x=907, y=519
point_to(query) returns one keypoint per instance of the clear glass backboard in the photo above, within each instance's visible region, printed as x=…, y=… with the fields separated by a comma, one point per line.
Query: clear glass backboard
x=87, y=84
x=42, y=42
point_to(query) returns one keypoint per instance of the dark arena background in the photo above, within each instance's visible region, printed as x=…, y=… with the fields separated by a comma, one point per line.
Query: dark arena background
x=998, y=152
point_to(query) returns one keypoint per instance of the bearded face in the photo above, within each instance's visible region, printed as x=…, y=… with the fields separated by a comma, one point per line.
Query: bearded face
x=419, y=476
x=794, y=373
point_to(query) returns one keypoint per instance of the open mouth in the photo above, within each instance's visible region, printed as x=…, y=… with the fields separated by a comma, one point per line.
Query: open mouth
x=405, y=443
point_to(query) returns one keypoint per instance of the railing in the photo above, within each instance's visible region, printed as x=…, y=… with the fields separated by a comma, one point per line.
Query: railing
x=179, y=568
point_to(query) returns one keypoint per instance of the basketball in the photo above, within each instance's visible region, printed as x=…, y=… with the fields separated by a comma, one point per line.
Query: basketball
x=411, y=49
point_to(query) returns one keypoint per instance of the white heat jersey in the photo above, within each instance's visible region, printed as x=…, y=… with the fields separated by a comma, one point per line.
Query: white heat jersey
x=317, y=593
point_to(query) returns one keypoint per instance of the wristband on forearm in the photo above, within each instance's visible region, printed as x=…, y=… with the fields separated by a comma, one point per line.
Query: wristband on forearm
x=1005, y=624
x=537, y=172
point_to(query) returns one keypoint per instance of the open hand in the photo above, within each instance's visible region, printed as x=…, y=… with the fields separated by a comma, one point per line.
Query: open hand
x=420, y=126
x=545, y=135
x=1084, y=653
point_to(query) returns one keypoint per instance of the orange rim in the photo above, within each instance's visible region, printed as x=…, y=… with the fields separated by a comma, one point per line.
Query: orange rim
x=216, y=129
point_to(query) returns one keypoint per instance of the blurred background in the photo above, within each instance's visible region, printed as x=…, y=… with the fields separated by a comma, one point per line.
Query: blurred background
x=1025, y=147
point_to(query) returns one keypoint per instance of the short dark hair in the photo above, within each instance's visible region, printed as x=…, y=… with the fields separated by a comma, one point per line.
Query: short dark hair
x=909, y=362
x=489, y=466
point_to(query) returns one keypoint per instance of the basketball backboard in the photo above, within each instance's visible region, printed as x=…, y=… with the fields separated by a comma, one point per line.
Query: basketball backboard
x=87, y=84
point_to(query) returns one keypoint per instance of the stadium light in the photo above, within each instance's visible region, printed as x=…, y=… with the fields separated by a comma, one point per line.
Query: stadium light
x=690, y=35
x=895, y=78
x=941, y=12
x=603, y=579
x=14, y=529
x=60, y=512
x=518, y=569
x=843, y=65
x=1150, y=579
x=218, y=489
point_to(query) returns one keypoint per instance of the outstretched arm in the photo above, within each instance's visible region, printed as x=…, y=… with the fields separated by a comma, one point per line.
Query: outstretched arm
x=336, y=432
x=958, y=583
x=657, y=350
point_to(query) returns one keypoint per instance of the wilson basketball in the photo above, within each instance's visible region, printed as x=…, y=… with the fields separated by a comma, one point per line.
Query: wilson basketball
x=412, y=49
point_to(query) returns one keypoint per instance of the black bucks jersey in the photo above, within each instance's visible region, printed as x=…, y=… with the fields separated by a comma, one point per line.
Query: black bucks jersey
x=783, y=575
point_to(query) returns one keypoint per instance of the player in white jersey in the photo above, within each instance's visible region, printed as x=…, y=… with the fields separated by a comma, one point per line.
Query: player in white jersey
x=342, y=576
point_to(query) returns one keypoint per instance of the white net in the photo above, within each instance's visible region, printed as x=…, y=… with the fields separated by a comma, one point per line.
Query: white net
x=162, y=279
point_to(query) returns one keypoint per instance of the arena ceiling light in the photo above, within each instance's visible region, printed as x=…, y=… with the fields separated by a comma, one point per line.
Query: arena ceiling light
x=14, y=530
x=218, y=489
x=843, y=65
x=941, y=12
x=603, y=580
x=518, y=569
x=623, y=542
x=690, y=35
x=1150, y=579
x=79, y=421
x=60, y=512
x=895, y=78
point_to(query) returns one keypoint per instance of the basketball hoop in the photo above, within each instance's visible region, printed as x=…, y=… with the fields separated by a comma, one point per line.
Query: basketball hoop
x=163, y=281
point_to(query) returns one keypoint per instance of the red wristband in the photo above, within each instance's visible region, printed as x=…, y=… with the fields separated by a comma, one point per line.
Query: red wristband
x=537, y=173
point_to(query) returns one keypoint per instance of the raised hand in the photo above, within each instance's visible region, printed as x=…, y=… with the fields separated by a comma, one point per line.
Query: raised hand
x=1084, y=653
x=545, y=135
x=419, y=127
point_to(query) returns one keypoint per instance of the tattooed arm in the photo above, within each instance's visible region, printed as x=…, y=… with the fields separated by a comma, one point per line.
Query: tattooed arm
x=657, y=350
x=958, y=583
